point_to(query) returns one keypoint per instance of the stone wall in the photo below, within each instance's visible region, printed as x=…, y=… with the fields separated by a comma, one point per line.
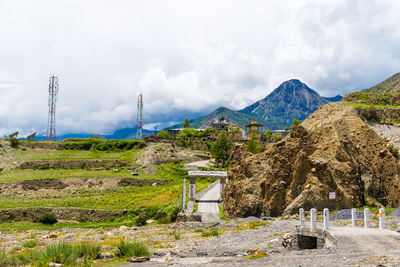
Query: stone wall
x=70, y=214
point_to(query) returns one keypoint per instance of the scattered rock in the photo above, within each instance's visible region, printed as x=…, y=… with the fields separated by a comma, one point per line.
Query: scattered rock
x=54, y=264
x=168, y=257
x=123, y=228
x=138, y=259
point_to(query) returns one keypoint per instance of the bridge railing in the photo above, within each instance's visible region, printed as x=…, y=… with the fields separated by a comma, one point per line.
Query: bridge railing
x=367, y=218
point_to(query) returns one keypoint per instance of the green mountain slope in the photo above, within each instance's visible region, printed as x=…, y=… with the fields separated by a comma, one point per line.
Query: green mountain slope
x=231, y=116
x=391, y=84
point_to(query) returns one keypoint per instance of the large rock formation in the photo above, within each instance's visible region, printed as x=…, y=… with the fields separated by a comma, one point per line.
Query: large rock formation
x=333, y=150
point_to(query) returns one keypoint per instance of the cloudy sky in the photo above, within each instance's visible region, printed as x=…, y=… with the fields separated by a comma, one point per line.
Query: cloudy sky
x=186, y=57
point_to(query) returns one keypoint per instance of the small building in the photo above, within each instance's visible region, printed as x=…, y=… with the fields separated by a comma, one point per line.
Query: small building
x=220, y=124
x=254, y=128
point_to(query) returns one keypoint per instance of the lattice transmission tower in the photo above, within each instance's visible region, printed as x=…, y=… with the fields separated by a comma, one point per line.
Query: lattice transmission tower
x=139, y=134
x=51, y=122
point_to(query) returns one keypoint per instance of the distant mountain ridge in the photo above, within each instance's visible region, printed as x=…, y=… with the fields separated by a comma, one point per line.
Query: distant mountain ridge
x=391, y=84
x=291, y=100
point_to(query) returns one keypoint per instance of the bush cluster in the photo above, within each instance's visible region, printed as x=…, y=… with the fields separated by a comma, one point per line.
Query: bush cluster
x=129, y=249
x=48, y=218
x=103, y=145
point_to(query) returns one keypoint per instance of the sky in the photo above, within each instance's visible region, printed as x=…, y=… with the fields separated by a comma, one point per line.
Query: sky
x=186, y=57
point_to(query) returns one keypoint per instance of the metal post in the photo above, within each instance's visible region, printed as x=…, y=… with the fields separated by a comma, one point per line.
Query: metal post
x=302, y=219
x=366, y=218
x=353, y=217
x=313, y=215
x=382, y=218
x=326, y=219
x=184, y=194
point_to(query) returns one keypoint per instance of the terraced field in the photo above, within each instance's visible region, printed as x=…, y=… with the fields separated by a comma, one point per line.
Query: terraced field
x=81, y=176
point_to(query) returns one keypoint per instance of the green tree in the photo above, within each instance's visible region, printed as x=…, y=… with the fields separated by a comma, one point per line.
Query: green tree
x=253, y=144
x=95, y=136
x=221, y=149
x=294, y=124
x=278, y=137
x=189, y=133
x=234, y=128
x=208, y=131
x=268, y=136
x=164, y=134
x=186, y=123
x=286, y=128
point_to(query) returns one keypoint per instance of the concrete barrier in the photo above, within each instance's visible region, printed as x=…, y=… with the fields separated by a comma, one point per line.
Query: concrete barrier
x=382, y=218
x=302, y=218
x=353, y=218
x=313, y=215
x=366, y=218
x=326, y=219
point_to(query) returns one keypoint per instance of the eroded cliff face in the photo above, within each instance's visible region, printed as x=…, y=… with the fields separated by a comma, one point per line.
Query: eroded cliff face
x=334, y=150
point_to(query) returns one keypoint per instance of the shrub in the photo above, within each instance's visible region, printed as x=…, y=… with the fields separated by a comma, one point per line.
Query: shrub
x=294, y=124
x=278, y=137
x=14, y=142
x=30, y=244
x=48, y=218
x=268, y=136
x=164, y=134
x=253, y=145
x=212, y=232
x=129, y=249
x=394, y=151
x=177, y=236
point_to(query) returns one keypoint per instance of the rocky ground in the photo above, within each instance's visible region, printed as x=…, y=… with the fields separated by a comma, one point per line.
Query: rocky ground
x=237, y=243
x=160, y=153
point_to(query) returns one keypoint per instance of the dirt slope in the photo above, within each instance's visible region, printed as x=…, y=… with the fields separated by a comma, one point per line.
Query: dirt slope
x=333, y=150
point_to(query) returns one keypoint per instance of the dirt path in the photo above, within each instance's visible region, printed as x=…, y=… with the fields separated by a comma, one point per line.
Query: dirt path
x=369, y=239
x=208, y=204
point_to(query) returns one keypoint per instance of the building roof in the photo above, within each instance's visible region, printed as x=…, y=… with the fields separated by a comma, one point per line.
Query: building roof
x=254, y=123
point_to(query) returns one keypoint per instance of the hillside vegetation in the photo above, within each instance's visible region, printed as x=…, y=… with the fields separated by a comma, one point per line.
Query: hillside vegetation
x=391, y=84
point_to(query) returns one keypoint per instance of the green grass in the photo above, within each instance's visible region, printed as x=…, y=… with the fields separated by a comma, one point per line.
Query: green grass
x=62, y=253
x=129, y=249
x=47, y=154
x=131, y=198
x=360, y=105
x=221, y=213
x=211, y=232
x=30, y=244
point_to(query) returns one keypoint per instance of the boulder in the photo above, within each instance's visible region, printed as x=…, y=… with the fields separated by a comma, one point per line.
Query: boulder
x=333, y=150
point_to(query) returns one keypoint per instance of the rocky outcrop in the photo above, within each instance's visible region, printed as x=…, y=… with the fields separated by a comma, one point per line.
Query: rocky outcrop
x=69, y=214
x=333, y=150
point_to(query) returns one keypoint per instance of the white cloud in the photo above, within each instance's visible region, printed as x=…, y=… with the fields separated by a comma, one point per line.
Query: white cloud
x=186, y=57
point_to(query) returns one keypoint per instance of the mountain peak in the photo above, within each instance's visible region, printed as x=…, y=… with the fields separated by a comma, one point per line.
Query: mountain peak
x=292, y=86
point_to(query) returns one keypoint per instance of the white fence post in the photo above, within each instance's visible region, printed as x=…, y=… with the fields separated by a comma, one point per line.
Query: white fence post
x=353, y=217
x=326, y=219
x=302, y=219
x=184, y=194
x=382, y=218
x=366, y=218
x=313, y=216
